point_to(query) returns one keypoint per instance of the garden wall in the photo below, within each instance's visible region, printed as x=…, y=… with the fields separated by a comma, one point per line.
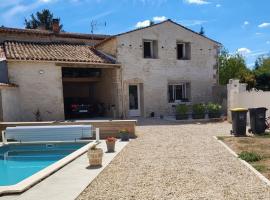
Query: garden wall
x=238, y=96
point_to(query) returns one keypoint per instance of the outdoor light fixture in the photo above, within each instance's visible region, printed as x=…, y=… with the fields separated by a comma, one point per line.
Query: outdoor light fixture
x=41, y=71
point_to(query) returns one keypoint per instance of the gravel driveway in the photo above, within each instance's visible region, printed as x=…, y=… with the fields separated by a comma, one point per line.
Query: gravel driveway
x=170, y=161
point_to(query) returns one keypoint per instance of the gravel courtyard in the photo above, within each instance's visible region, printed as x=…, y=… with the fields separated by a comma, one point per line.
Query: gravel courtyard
x=172, y=161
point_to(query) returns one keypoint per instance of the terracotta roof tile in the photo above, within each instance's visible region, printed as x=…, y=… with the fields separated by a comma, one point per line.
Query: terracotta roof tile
x=48, y=33
x=53, y=52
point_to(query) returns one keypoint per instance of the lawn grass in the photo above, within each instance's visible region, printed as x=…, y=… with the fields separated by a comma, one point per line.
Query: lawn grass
x=250, y=156
x=253, y=149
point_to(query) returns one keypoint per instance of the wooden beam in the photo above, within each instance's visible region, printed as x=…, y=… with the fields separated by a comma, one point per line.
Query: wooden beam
x=84, y=79
x=87, y=65
x=71, y=64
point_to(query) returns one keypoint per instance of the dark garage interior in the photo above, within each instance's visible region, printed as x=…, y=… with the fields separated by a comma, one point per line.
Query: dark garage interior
x=81, y=100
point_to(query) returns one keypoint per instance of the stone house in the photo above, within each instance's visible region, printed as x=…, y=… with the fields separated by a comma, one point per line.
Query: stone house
x=52, y=75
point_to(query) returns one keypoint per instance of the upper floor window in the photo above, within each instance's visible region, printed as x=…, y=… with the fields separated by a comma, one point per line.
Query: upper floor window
x=183, y=50
x=150, y=49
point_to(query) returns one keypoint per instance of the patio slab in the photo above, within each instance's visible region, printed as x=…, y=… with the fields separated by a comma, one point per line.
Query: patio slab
x=68, y=182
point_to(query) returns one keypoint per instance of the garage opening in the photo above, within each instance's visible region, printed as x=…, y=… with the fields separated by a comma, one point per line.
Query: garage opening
x=88, y=93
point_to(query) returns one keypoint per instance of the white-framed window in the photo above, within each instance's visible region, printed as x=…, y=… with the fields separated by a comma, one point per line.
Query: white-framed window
x=179, y=92
x=150, y=49
x=183, y=50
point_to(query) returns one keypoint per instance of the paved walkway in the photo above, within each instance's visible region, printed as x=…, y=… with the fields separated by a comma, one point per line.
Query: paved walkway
x=169, y=161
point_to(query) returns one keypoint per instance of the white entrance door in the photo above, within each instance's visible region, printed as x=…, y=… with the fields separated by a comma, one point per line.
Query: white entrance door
x=134, y=100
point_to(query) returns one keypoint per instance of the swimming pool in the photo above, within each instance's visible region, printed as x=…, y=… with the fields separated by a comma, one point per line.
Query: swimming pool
x=21, y=161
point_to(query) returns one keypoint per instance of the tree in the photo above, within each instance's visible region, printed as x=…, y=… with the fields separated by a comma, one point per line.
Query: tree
x=262, y=73
x=234, y=67
x=263, y=81
x=43, y=18
x=202, y=32
x=262, y=65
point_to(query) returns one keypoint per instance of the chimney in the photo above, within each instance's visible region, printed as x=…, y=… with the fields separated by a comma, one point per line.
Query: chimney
x=55, y=26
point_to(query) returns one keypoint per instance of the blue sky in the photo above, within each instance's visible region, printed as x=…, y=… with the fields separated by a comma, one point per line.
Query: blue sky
x=240, y=25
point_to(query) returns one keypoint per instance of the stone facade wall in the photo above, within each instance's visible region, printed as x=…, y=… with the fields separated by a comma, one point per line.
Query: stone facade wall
x=155, y=74
x=109, y=47
x=11, y=107
x=40, y=88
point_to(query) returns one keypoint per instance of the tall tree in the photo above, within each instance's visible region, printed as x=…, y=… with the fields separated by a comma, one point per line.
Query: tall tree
x=43, y=18
x=234, y=66
x=262, y=65
x=262, y=73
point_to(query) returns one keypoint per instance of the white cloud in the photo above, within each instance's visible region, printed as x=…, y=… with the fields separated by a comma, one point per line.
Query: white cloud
x=218, y=5
x=159, y=18
x=45, y=1
x=243, y=51
x=19, y=7
x=250, y=54
x=147, y=22
x=143, y=24
x=197, y=2
x=192, y=22
x=245, y=23
x=258, y=53
x=267, y=42
x=264, y=25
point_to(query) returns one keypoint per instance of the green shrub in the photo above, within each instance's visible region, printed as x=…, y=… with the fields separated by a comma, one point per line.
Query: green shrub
x=249, y=156
x=198, y=108
x=181, y=109
x=198, y=111
x=181, y=112
x=213, y=108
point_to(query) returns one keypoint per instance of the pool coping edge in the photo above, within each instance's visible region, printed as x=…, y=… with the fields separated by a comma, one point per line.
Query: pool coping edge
x=44, y=173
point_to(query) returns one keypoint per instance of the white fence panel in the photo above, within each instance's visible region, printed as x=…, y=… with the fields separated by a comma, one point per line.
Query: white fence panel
x=238, y=96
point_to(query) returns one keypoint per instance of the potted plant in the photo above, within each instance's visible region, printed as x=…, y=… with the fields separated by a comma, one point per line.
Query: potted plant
x=214, y=110
x=110, y=141
x=181, y=112
x=198, y=111
x=124, y=134
x=95, y=156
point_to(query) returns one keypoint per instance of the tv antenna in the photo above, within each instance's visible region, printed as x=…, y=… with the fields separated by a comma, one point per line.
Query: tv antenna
x=94, y=26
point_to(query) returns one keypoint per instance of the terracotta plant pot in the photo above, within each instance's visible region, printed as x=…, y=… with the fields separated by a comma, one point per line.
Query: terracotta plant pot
x=95, y=157
x=110, y=146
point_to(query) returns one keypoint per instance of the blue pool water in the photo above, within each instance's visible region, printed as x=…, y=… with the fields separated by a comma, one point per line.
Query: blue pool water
x=19, y=161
